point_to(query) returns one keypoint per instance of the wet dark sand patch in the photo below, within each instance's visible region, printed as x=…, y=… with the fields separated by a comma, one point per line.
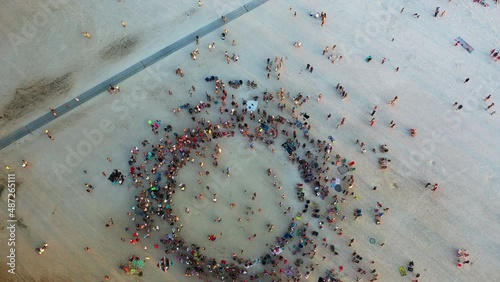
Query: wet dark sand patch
x=119, y=48
x=28, y=96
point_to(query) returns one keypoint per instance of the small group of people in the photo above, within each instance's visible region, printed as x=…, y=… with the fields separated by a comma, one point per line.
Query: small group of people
x=343, y=93
x=113, y=89
x=463, y=257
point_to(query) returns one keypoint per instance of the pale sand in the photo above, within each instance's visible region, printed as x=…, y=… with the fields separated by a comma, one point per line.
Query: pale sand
x=422, y=226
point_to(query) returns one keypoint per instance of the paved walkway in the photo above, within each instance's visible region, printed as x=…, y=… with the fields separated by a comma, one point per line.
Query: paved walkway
x=134, y=69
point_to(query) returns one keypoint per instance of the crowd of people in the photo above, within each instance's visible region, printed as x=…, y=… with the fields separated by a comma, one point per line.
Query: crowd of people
x=160, y=163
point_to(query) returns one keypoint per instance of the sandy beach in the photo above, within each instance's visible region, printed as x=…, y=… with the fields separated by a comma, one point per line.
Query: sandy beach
x=334, y=105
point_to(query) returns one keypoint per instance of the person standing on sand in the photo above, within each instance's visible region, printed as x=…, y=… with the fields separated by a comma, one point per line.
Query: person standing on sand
x=436, y=12
x=110, y=222
x=393, y=101
x=492, y=104
x=320, y=96
x=487, y=98
x=435, y=187
x=48, y=134
x=90, y=188
x=325, y=50
x=374, y=110
x=341, y=123
x=467, y=80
